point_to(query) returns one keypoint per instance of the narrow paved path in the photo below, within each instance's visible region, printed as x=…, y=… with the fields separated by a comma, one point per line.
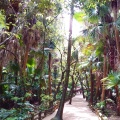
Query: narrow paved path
x=78, y=110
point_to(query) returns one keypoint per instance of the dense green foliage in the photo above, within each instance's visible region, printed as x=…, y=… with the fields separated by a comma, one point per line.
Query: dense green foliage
x=33, y=55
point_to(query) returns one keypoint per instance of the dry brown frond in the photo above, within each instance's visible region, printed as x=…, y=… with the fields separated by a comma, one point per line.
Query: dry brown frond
x=31, y=37
x=10, y=49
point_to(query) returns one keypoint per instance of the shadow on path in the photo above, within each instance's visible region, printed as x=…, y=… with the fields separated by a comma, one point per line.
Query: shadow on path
x=78, y=110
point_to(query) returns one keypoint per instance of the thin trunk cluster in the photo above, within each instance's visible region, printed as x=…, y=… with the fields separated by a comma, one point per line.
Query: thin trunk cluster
x=59, y=115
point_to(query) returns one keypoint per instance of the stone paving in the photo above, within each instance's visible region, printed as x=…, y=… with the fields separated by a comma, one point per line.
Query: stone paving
x=78, y=110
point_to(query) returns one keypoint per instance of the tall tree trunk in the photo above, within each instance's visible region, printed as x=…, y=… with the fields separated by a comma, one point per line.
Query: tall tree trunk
x=73, y=84
x=118, y=105
x=87, y=82
x=104, y=75
x=118, y=100
x=25, y=60
x=98, y=77
x=91, y=82
x=59, y=114
x=87, y=85
x=1, y=79
x=58, y=87
x=72, y=89
x=16, y=73
x=115, y=12
x=41, y=65
x=49, y=79
x=104, y=64
x=82, y=88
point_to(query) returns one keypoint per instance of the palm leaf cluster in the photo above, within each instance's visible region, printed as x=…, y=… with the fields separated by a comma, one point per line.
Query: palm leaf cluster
x=112, y=80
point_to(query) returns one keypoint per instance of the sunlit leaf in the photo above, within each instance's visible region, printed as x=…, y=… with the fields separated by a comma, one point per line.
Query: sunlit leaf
x=84, y=64
x=2, y=21
x=31, y=62
x=28, y=95
x=79, y=16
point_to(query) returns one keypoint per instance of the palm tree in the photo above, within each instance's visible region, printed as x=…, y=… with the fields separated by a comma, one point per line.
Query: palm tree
x=113, y=81
x=115, y=8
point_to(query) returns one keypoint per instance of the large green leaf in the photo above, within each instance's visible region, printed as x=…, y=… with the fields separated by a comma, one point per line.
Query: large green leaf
x=80, y=16
x=31, y=62
x=2, y=21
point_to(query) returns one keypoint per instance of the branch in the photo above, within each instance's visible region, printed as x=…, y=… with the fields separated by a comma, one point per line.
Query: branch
x=5, y=40
x=52, y=20
x=11, y=53
x=73, y=62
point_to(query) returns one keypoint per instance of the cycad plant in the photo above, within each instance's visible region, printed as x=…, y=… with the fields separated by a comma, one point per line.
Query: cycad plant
x=113, y=81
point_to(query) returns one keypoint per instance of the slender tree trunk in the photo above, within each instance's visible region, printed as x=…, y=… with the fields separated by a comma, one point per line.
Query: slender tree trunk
x=87, y=82
x=58, y=87
x=104, y=75
x=118, y=100
x=16, y=73
x=82, y=88
x=49, y=79
x=62, y=77
x=118, y=105
x=25, y=60
x=72, y=89
x=59, y=114
x=92, y=86
x=40, y=67
x=115, y=12
x=73, y=85
x=98, y=77
x=81, y=83
x=1, y=79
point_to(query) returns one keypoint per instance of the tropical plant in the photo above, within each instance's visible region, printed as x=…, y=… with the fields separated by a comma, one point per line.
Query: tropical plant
x=113, y=81
x=22, y=112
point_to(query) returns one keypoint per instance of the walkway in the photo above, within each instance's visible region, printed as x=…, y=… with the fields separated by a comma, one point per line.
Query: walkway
x=77, y=111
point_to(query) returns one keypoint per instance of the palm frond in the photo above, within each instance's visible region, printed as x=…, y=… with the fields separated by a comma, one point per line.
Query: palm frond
x=103, y=10
x=84, y=64
x=93, y=16
x=112, y=80
x=95, y=31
